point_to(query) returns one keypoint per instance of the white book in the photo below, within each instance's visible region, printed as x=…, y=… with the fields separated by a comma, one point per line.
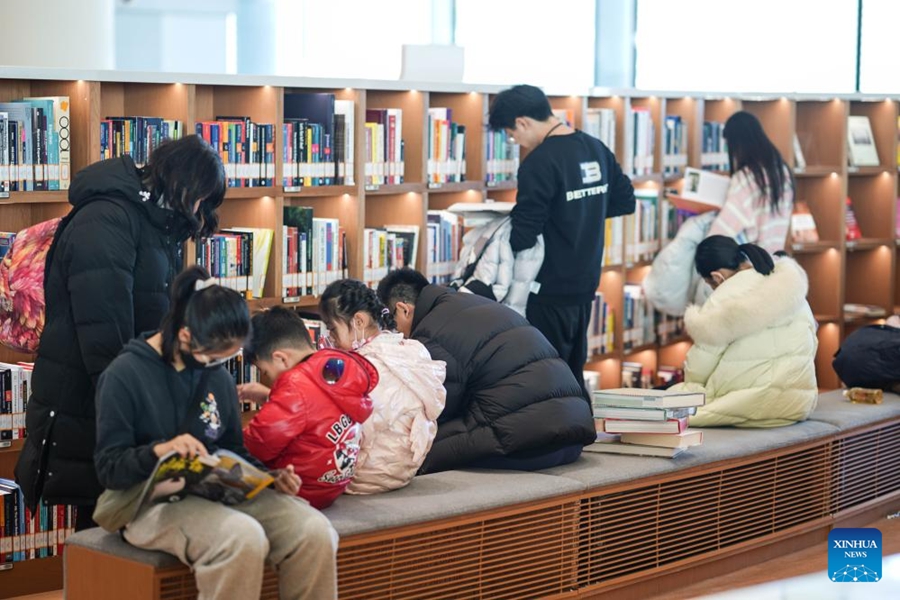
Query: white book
x=643, y=398
x=861, y=143
x=633, y=449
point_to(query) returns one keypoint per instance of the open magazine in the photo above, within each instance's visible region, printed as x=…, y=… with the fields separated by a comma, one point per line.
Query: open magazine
x=222, y=477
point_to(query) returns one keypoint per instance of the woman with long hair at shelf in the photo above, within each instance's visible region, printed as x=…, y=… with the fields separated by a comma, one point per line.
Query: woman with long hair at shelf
x=107, y=280
x=754, y=339
x=760, y=198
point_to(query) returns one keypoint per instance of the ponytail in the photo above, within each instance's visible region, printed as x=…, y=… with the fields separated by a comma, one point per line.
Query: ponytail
x=217, y=317
x=760, y=259
x=344, y=298
x=721, y=252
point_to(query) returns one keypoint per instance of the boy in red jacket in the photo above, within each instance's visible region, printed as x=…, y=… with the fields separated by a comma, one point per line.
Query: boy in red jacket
x=311, y=417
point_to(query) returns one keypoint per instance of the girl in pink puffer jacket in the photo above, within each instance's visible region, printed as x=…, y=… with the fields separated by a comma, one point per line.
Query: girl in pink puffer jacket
x=410, y=394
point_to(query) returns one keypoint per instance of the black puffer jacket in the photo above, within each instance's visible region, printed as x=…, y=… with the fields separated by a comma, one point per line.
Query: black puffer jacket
x=508, y=393
x=107, y=282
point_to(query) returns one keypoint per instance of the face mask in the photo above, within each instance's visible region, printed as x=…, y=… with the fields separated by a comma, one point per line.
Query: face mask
x=191, y=362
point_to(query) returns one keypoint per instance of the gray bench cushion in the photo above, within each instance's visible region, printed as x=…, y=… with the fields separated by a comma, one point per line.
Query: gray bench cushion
x=443, y=495
x=596, y=470
x=836, y=410
x=112, y=543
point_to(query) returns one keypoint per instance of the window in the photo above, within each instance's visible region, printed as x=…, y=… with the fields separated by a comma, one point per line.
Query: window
x=509, y=41
x=879, y=61
x=348, y=39
x=763, y=46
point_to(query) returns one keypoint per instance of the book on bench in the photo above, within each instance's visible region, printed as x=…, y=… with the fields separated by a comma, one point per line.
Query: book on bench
x=641, y=398
x=633, y=449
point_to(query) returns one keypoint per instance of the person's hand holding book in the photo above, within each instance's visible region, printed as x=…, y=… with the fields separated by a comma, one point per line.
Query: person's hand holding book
x=185, y=445
x=286, y=481
x=253, y=392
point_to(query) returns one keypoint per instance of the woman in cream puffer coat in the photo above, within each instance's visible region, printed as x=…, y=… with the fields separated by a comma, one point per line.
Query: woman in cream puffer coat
x=754, y=339
x=410, y=394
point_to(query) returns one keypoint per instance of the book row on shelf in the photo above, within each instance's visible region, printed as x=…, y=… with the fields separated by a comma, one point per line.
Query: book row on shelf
x=35, y=145
x=27, y=535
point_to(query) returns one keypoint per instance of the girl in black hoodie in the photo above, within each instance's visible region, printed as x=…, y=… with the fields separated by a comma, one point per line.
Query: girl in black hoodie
x=146, y=409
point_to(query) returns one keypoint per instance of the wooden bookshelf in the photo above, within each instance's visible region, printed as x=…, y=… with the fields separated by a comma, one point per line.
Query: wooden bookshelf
x=864, y=271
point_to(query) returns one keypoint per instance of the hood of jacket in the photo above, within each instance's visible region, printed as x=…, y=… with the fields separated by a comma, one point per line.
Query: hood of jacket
x=412, y=367
x=350, y=392
x=748, y=302
x=119, y=178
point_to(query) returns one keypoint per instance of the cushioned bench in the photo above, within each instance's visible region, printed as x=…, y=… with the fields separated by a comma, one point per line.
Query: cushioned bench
x=603, y=522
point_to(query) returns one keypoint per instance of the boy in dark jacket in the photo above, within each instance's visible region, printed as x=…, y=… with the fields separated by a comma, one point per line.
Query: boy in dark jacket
x=511, y=402
x=313, y=412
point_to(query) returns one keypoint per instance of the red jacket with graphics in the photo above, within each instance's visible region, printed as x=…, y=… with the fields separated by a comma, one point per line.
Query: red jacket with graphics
x=312, y=421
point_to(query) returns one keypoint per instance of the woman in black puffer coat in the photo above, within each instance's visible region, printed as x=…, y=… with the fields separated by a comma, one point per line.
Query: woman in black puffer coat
x=106, y=280
x=512, y=403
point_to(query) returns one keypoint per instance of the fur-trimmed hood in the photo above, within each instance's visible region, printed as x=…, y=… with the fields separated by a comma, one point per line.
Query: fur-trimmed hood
x=748, y=302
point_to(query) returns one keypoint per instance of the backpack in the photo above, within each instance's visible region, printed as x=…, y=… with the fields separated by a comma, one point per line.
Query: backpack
x=23, y=277
x=869, y=357
x=22, y=286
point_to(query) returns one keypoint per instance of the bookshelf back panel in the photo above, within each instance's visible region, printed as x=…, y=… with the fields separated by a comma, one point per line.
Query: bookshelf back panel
x=829, y=335
x=260, y=103
x=443, y=201
x=469, y=109
x=575, y=104
x=873, y=200
x=777, y=118
x=825, y=197
x=883, y=120
x=674, y=355
x=166, y=100
x=821, y=130
x=610, y=370
x=720, y=109
x=412, y=103
x=824, y=273
x=869, y=278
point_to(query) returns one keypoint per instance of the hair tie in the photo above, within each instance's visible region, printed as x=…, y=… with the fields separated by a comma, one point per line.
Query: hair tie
x=385, y=312
x=202, y=284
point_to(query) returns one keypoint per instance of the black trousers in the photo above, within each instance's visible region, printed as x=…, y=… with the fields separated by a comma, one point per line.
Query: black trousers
x=565, y=326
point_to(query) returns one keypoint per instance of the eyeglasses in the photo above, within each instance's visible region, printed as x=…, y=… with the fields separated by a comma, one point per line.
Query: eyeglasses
x=216, y=362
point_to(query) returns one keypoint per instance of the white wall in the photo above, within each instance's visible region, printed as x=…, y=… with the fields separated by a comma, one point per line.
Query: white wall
x=68, y=34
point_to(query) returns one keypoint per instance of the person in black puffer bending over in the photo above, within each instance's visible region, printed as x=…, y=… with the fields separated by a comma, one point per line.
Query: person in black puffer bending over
x=512, y=403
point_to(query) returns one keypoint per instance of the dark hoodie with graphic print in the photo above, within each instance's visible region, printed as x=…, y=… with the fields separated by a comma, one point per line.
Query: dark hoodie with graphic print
x=143, y=401
x=107, y=282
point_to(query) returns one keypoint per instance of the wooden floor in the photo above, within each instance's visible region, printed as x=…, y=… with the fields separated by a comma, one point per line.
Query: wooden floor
x=809, y=561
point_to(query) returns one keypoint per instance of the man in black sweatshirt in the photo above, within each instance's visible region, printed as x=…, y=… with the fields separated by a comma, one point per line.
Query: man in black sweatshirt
x=569, y=184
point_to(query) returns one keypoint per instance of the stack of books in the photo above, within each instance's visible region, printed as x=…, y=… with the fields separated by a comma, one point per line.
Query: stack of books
x=645, y=422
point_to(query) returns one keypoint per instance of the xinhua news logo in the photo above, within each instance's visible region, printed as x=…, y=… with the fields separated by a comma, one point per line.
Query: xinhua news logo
x=854, y=555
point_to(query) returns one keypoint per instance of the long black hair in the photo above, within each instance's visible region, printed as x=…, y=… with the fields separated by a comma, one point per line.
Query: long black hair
x=721, y=252
x=217, y=317
x=749, y=147
x=183, y=171
x=345, y=297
